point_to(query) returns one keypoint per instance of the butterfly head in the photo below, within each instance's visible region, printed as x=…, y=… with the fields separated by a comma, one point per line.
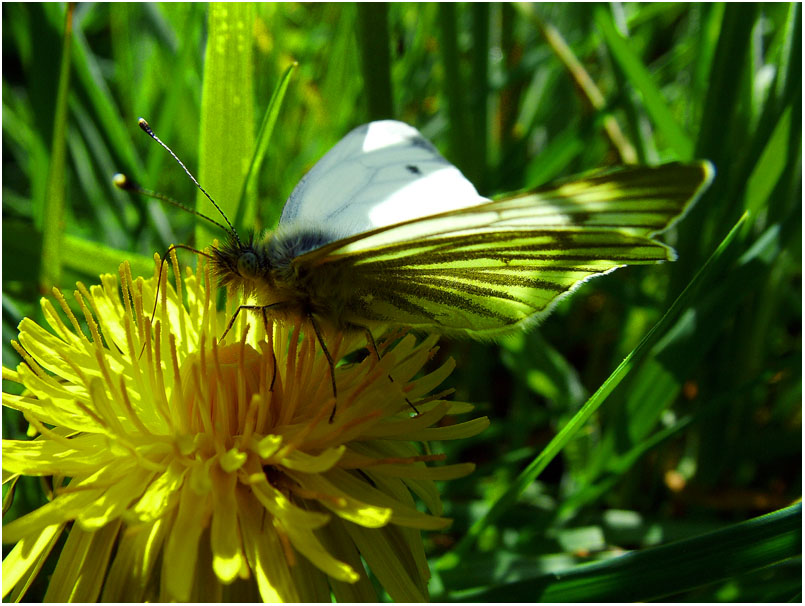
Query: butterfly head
x=239, y=262
x=247, y=265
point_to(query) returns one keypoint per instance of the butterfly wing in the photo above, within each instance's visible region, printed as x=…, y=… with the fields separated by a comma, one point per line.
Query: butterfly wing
x=380, y=174
x=485, y=269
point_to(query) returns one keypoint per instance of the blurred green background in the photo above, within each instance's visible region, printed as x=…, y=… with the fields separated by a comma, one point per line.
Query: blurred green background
x=703, y=433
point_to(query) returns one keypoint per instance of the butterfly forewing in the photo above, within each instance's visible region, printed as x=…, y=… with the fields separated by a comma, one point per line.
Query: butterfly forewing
x=488, y=268
x=380, y=174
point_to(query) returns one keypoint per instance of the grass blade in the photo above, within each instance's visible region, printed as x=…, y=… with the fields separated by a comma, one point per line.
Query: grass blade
x=643, y=575
x=94, y=259
x=53, y=204
x=373, y=44
x=721, y=109
x=592, y=95
x=460, y=144
x=641, y=80
x=479, y=85
x=227, y=113
x=247, y=208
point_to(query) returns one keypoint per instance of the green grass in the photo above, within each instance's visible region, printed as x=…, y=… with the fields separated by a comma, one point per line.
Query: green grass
x=697, y=433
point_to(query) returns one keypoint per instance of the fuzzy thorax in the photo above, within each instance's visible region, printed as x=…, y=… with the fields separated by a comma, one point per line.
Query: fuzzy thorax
x=265, y=270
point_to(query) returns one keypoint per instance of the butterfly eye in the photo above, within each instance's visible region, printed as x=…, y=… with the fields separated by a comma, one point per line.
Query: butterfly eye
x=247, y=265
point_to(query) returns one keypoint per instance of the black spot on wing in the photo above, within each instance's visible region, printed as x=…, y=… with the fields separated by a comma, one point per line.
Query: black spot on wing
x=414, y=170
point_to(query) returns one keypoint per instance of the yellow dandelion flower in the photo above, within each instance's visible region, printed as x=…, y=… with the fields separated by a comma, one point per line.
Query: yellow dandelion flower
x=188, y=469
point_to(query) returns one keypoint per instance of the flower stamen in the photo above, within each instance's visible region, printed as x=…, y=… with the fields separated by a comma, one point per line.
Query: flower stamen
x=78, y=333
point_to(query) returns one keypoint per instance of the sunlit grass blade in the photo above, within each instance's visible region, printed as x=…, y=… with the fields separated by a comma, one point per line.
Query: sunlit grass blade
x=89, y=76
x=247, y=206
x=774, y=142
x=93, y=258
x=227, y=113
x=176, y=63
x=556, y=445
x=770, y=164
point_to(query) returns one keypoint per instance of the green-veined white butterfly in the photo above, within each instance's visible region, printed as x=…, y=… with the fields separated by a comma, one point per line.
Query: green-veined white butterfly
x=384, y=232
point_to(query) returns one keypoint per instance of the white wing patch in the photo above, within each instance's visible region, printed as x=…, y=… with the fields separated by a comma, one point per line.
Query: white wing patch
x=380, y=174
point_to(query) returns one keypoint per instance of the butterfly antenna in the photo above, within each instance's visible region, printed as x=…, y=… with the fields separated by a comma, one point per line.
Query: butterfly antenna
x=145, y=127
x=121, y=181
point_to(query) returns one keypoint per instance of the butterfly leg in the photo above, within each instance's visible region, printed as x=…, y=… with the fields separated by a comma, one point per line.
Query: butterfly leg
x=235, y=317
x=370, y=341
x=371, y=345
x=264, y=311
x=327, y=355
x=273, y=355
x=162, y=261
x=156, y=295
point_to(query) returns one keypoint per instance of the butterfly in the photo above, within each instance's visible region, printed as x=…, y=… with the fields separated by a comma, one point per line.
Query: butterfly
x=384, y=232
